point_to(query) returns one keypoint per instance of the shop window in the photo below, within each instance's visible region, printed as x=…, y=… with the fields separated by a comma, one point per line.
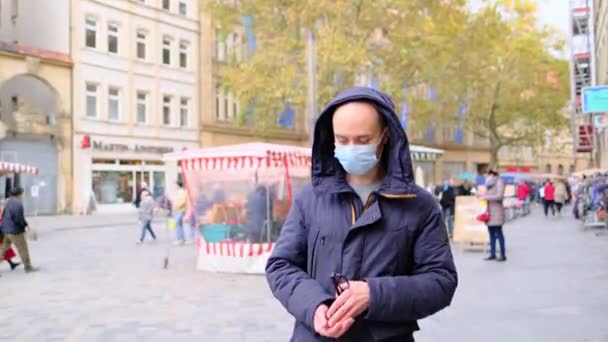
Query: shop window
x=113, y=187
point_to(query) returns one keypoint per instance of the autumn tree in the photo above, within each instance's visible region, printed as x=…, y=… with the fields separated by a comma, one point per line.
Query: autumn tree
x=401, y=43
x=514, y=87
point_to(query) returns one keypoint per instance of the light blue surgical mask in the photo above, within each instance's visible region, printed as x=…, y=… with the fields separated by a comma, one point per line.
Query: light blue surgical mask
x=357, y=160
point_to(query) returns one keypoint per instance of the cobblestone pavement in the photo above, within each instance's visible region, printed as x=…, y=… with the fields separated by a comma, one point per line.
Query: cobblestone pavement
x=96, y=284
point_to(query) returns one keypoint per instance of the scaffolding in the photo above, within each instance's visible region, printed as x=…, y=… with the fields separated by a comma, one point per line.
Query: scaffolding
x=582, y=70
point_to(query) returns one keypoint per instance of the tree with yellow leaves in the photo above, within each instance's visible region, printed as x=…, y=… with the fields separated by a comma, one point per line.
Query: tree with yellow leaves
x=514, y=87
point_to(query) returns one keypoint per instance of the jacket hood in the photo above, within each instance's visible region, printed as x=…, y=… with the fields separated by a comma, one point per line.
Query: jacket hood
x=327, y=173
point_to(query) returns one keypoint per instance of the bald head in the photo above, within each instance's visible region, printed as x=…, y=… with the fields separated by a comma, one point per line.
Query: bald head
x=357, y=123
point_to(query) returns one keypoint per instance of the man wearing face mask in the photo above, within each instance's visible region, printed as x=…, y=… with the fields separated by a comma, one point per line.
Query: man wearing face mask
x=364, y=252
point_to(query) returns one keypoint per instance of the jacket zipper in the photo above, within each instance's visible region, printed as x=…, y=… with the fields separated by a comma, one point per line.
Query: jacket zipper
x=313, y=257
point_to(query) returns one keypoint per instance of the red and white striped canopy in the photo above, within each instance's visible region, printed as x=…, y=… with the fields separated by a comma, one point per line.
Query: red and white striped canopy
x=6, y=167
x=243, y=156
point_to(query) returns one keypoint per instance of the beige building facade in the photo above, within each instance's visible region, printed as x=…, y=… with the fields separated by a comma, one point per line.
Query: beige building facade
x=36, y=101
x=220, y=110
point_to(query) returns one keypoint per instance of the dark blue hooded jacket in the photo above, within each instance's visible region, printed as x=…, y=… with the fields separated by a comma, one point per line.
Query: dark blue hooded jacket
x=397, y=243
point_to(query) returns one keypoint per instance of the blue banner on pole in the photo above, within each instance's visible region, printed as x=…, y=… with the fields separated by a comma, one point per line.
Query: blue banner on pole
x=374, y=83
x=430, y=133
x=251, y=41
x=405, y=111
x=286, y=118
x=432, y=95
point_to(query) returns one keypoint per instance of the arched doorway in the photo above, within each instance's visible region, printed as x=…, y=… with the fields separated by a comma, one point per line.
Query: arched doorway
x=29, y=134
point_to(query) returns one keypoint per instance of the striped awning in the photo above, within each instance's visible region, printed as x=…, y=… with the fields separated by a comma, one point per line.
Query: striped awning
x=423, y=153
x=262, y=155
x=6, y=167
x=243, y=156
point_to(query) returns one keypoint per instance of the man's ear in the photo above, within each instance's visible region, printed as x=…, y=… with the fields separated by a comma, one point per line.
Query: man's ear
x=386, y=136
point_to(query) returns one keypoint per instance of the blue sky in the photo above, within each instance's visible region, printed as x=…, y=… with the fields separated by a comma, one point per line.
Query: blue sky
x=554, y=13
x=551, y=12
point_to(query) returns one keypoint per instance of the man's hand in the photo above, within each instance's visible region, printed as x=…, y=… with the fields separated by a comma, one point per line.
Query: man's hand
x=323, y=329
x=350, y=304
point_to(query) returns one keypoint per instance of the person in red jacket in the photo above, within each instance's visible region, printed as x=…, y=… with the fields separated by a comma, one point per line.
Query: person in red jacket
x=523, y=194
x=549, y=198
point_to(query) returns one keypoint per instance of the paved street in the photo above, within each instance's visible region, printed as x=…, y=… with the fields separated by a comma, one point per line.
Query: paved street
x=98, y=285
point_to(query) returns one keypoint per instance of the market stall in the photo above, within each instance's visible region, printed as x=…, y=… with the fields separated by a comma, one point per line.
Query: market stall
x=590, y=204
x=241, y=195
x=10, y=176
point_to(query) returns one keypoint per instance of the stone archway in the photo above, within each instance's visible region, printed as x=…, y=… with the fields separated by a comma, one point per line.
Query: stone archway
x=30, y=134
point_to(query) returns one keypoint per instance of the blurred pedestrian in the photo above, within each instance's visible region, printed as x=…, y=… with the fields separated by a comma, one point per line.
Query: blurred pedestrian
x=142, y=187
x=523, y=195
x=549, y=197
x=181, y=205
x=14, y=227
x=146, y=215
x=447, y=199
x=561, y=196
x=464, y=189
x=494, y=195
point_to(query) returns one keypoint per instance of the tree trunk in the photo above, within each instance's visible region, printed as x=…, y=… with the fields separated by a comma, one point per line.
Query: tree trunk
x=494, y=157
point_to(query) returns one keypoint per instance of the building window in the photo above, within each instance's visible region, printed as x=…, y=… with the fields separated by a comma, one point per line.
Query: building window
x=218, y=103
x=226, y=106
x=167, y=110
x=167, y=5
x=113, y=38
x=183, y=8
x=235, y=48
x=183, y=54
x=92, y=103
x=113, y=103
x=166, y=50
x=91, y=33
x=141, y=45
x=235, y=108
x=220, y=45
x=184, y=112
x=142, y=106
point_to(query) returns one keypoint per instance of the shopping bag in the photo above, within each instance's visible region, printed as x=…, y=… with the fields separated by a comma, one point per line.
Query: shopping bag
x=485, y=217
x=171, y=224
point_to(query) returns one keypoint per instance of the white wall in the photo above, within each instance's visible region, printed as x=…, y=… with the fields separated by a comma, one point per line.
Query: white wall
x=41, y=24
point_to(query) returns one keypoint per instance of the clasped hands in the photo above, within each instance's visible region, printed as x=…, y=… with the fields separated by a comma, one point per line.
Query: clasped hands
x=334, y=321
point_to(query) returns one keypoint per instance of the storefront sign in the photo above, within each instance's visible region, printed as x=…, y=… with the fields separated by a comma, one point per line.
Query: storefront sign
x=101, y=146
x=595, y=99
